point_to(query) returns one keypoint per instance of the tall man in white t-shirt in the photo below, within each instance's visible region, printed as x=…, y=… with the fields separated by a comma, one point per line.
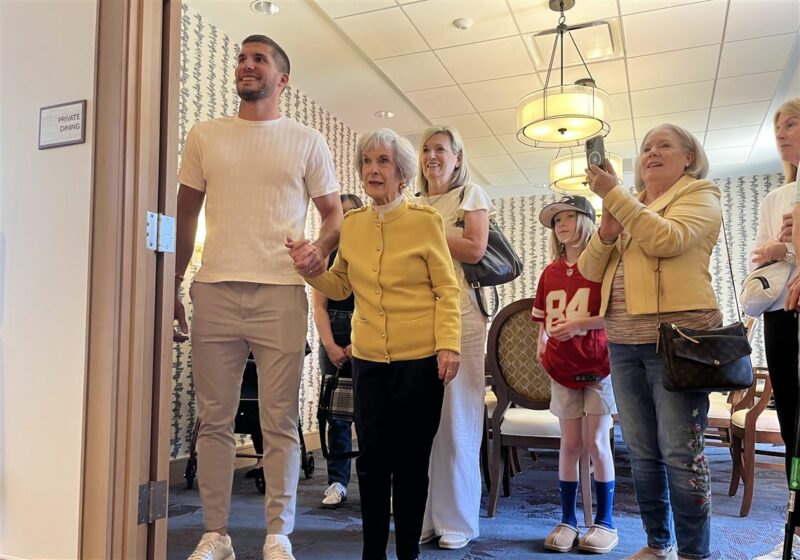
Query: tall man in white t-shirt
x=256, y=172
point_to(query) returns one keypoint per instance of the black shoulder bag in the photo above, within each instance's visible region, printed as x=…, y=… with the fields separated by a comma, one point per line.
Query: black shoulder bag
x=705, y=360
x=500, y=264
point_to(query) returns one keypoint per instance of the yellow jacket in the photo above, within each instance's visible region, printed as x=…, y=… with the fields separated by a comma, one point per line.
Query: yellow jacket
x=681, y=227
x=407, y=296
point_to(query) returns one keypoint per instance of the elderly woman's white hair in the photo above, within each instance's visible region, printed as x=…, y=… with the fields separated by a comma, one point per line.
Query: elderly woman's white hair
x=697, y=169
x=460, y=176
x=404, y=156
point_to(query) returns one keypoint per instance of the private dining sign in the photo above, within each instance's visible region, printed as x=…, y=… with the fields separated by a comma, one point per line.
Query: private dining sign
x=62, y=124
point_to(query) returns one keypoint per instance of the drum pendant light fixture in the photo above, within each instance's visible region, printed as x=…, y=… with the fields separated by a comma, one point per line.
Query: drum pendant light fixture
x=568, y=171
x=564, y=114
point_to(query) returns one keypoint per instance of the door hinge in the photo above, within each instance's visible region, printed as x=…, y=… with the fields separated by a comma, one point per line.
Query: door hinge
x=152, y=501
x=160, y=236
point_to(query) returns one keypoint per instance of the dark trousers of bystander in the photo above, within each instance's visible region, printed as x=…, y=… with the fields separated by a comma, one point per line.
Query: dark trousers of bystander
x=781, y=347
x=397, y=410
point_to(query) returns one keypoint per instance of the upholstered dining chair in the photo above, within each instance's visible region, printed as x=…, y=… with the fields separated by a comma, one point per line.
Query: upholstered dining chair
x=519, y=380
x=753, y=423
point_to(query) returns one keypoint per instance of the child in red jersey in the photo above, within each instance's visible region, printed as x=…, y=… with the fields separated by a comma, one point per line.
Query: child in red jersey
x=572, y=349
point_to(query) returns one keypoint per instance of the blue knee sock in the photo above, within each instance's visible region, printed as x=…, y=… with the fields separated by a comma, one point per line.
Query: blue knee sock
x=605, y=501
x=569, y=495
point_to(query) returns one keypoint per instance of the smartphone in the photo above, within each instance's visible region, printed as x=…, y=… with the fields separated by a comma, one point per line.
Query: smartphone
x=596, y=152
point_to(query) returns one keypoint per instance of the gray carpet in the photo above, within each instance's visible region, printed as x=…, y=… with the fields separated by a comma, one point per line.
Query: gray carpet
x=517, y=532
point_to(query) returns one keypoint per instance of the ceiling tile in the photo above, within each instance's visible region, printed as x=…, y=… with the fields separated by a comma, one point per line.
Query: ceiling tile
x=484, y=146
x=746, y=89
x=506, y=178
x=755, y=55
x=747, y=19
x=536, y=158
x=415, y=71
x=503, y=121
x=724, y=156
x=434, y=20
x=620, y=106
x=493, y=164
x=731, y=137
x=441, y=102
x=340, y=8
x=626, y=149
x=537, y=16
x=468, y=126
x=679, y=27
x=738, y=115
x=513, y=145
x=635, y=6
x=502, y=93
x=620, y=130
x=608, y=75
x=383, y=33
x=693, y=121
x=483, y=61
x=538, y=176
x=685, y=97
x=674, y=67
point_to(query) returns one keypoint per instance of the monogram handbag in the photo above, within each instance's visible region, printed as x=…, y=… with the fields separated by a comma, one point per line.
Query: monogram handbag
x=500, y=264
x=708, y=359
x=335, y=403
x=762, y=287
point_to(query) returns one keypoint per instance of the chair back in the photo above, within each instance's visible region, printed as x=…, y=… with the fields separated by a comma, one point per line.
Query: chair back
x=511, y=357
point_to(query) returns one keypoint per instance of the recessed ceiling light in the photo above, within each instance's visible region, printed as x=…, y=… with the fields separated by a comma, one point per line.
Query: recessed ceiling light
x=265, y=8
x=384, y=115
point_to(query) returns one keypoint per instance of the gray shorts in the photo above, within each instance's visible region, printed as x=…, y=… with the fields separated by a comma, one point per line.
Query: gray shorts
x=597, y=399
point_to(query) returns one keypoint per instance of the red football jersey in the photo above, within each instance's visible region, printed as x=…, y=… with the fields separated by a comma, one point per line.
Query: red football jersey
x=563, y=293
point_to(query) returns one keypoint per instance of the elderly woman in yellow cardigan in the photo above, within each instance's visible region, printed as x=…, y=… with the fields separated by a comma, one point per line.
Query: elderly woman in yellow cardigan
x=405, y=338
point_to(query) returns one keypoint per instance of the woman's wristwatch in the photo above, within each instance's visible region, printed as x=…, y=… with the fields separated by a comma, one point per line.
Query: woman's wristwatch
x=790, y=257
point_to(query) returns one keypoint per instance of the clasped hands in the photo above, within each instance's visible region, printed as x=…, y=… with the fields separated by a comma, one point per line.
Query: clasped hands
x=309, y=259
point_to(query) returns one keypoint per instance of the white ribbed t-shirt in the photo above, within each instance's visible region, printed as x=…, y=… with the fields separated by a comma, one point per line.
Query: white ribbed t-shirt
x=258, y=177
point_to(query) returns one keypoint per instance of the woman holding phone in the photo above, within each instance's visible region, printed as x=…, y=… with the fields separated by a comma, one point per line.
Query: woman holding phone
x=662, y=236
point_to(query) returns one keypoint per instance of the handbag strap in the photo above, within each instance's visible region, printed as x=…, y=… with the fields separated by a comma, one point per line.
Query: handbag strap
x=730, y=270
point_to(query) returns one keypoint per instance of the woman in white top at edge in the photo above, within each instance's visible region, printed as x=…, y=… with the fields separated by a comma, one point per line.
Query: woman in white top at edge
x=774, y=243
x=454, y=491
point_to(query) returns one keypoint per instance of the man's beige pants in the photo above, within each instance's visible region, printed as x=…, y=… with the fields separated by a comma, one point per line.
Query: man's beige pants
x=231, y=319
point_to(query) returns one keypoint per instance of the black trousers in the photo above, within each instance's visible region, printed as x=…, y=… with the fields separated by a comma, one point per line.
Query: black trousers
x=397, y=410
x=781, y=347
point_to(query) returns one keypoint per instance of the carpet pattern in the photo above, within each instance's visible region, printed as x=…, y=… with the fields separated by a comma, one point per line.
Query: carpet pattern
x=517, y=531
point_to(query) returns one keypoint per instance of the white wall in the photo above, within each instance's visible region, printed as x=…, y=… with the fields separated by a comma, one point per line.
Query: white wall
x=48, y=57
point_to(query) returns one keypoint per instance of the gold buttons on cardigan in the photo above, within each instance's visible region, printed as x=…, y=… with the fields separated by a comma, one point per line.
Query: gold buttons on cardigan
x=377, y=291
x=377, y=248
x=375, y=269
x=380, y=313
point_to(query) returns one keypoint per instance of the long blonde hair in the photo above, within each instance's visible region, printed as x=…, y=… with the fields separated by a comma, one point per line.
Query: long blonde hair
x=584, y=229
x=791, y=107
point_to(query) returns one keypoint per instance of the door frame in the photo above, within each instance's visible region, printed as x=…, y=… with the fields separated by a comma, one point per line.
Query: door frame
x=129, y=354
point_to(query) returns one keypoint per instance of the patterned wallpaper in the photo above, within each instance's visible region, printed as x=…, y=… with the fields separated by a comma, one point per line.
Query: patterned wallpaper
x=208, y=59
x=207, y=91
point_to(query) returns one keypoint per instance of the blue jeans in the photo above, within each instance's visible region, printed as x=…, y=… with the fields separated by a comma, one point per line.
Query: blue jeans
x=664, y=434
x=339, y=431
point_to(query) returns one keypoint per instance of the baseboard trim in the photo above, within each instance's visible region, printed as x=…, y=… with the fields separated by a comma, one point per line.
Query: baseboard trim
x=177, y=467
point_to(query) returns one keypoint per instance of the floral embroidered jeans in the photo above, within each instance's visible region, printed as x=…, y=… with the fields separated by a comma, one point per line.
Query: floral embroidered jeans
x=664, y=434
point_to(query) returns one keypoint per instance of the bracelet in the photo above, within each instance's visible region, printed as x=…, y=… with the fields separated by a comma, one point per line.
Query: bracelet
x=790, y=257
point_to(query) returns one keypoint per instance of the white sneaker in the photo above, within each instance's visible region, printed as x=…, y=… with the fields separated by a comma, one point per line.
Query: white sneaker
x=278, y=547
x=213, y=546
x=647, y=553
x=777, y=552
x=335, y=495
